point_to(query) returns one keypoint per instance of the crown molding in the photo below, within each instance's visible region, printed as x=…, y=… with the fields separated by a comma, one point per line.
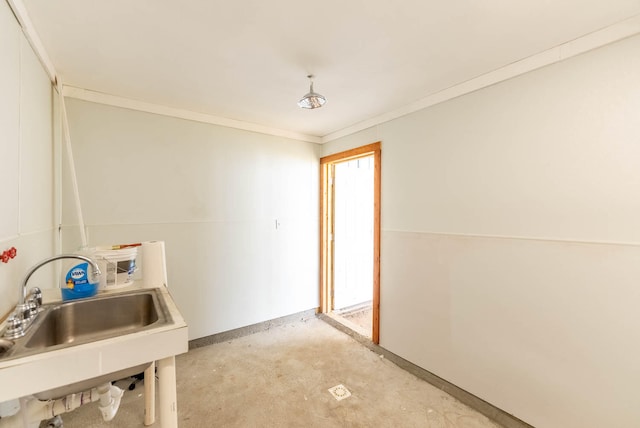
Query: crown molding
x=613, y=33
x=29, y=31
x=128, y=103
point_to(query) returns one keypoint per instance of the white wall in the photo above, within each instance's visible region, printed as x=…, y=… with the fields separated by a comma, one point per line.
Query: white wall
x=26, y=161
x=213, y=194
x=511, y=241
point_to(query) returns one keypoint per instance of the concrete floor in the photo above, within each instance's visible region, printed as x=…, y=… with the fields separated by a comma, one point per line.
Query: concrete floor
x=280, y=378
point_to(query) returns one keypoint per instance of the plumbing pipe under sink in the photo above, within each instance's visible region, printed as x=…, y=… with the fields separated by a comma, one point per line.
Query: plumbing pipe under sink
x=110, y=396
x=35, y=411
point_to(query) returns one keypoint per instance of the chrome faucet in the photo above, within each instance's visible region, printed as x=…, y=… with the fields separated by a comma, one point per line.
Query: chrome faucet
x=27, y=309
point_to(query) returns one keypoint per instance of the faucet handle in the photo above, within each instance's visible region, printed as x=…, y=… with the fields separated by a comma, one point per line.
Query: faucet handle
x=23, y=311
x=33, y=309
x=36, y=296
x=14, y=327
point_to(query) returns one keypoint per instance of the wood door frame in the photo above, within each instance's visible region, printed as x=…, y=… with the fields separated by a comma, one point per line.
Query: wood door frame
x=326, y=223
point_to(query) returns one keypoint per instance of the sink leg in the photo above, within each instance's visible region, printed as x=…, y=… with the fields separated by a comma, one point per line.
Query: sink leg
x=150, y=394
x=25, y=412
x=168, y=396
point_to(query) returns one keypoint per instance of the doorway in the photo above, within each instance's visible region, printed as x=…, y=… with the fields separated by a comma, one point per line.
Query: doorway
x=350, y=238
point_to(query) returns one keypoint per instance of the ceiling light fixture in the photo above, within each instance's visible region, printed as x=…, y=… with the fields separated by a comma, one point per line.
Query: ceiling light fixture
x=312, y=99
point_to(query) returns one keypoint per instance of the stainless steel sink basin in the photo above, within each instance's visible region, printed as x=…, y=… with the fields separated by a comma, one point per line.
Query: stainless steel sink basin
x=82, y=321
x=76, y=322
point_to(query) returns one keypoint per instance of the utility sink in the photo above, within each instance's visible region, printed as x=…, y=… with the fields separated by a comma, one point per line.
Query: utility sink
x=81, y=321
x=74, y=346
x=65, y=324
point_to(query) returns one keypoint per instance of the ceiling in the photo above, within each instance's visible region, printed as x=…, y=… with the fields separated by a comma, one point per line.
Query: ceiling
x=247, y=60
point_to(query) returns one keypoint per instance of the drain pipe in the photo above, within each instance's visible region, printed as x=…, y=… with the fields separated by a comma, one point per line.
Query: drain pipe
x=36, y=411
x=110, y=397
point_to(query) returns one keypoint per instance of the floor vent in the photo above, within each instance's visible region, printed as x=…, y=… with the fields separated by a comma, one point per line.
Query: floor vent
x=339, y=392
